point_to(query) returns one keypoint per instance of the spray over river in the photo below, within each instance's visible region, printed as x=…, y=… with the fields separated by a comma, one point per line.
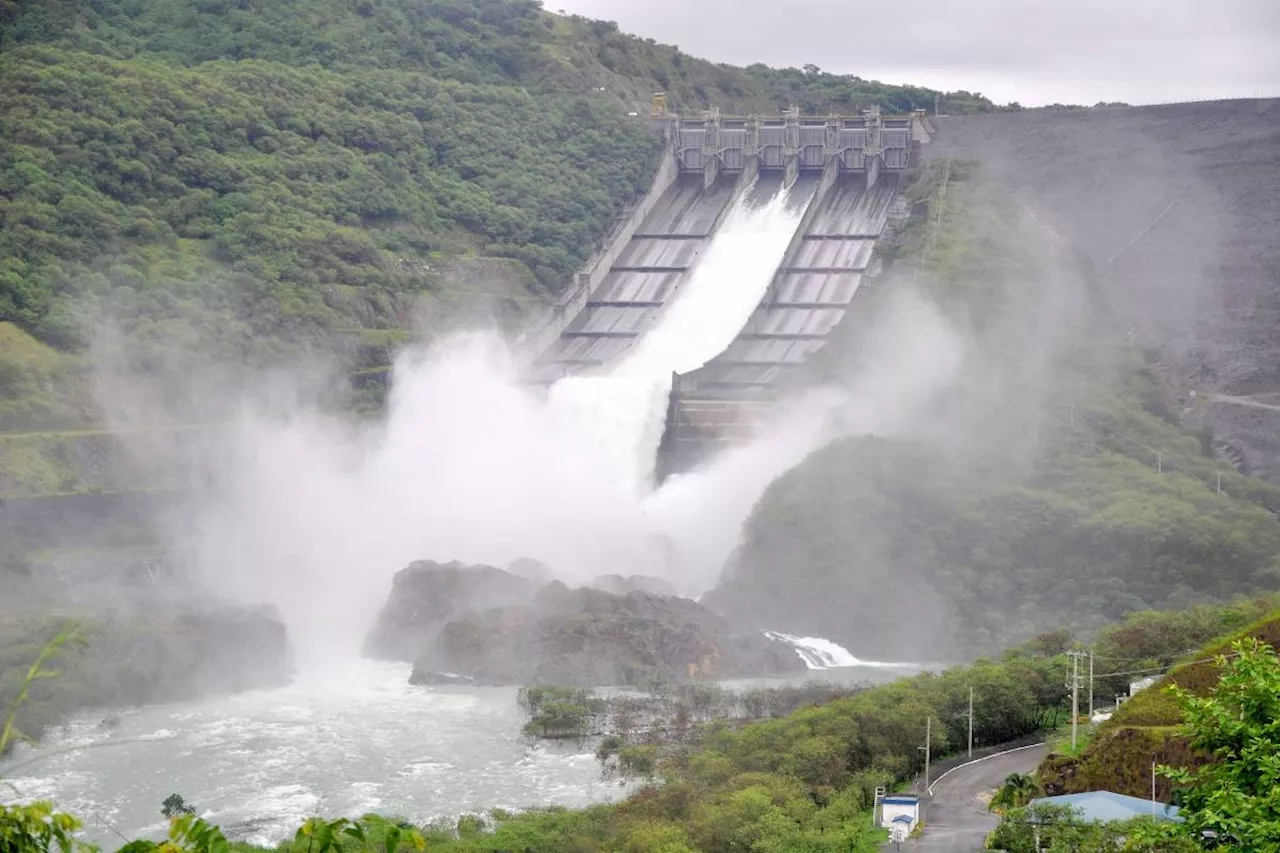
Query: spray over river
x=317, y=521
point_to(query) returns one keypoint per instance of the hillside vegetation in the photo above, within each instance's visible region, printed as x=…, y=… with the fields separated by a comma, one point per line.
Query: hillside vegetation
x=249, y=180
x=218, y=186
x=1146, y=728
x=1047, y=485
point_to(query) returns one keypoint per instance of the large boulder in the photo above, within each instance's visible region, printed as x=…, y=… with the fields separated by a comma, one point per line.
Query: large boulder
x=426, y=595
x=593, y=638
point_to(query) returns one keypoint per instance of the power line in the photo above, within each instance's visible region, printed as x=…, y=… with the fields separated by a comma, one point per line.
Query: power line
x=1088, y=418
x=1163, y=457
x=1168, y=667
x=1147, y=657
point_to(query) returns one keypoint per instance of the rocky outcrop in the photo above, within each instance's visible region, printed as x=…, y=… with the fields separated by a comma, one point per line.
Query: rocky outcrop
x=591, y=637
x=426, y=595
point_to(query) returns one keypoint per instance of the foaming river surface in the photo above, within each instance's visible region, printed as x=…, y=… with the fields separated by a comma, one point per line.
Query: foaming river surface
x=352, y=739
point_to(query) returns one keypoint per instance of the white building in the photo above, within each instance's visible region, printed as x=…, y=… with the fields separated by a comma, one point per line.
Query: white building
x=1141, y=684
x=900, y=810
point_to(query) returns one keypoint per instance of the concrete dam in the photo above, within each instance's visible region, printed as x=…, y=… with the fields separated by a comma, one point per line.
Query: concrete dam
x=784, y=283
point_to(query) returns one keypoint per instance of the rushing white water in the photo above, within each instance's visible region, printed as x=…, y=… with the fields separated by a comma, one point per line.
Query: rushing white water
x=723, y=289
x=348, y=740
x=352, y=739
x=470, y=465
x=818, y=653
x=623, y=410
x=315, y=517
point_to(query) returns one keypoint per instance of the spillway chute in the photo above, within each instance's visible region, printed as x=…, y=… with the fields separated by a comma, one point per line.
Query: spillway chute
x=621, y=409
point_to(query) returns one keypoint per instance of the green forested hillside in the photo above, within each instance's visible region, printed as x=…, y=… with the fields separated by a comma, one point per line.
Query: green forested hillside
x=242, y=178
x=1047, y=485
x=252, y=200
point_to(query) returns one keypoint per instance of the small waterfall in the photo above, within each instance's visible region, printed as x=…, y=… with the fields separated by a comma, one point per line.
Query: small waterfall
x=818, y=653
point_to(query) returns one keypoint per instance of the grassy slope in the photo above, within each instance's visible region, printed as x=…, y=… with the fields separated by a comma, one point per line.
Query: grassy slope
x=1145, y=728
x=1034, y=523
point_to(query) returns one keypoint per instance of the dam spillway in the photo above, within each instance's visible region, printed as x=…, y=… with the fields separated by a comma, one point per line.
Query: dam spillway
x=618, y=410
x=641, y=277
x=676, y=247
x=723, y=400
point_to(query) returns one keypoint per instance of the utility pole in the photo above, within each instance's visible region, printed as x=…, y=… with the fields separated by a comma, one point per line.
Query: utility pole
x=1219, y=482
x=1153, y=789
x=1090, y=684
x=971, y=721
x=928, y=743
x=1075, y=695
x=1159, y=463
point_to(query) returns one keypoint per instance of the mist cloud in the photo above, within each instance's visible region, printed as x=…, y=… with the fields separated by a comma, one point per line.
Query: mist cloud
x=315, y=514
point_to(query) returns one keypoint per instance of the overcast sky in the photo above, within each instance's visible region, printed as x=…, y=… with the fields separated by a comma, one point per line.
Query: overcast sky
x=1031, y=51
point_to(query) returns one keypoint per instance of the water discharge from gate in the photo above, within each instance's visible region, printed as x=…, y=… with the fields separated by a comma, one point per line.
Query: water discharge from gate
x=471, y=465
x=622, y=411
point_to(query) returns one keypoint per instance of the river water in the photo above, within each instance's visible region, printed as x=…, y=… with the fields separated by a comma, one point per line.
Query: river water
x=343, y=741
x=346, y=739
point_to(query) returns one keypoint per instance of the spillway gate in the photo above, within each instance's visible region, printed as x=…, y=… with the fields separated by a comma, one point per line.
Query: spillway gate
x=709, y=162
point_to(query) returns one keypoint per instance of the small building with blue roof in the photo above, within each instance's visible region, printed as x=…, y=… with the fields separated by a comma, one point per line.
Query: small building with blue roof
x=1105, y=806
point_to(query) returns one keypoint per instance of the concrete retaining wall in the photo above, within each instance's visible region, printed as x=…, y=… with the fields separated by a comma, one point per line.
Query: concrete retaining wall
x=536, y=340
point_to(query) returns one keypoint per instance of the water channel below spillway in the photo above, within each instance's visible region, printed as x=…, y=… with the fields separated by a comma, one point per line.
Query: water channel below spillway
x=344, y=740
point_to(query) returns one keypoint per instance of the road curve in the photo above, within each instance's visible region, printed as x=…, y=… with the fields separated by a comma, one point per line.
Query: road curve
x=957, y=820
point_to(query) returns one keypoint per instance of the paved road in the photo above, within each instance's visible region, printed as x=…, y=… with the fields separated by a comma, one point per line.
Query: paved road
x=957, y=820
x=1244, y=401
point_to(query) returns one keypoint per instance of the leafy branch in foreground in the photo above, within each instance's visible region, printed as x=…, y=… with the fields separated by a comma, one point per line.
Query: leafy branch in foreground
x=70, y=635
x=1237, y=797
x=36, y=826
x=324, y=836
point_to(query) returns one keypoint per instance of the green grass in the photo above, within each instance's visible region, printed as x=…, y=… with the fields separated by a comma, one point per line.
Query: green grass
x=1060, y=739
x=1145, y=729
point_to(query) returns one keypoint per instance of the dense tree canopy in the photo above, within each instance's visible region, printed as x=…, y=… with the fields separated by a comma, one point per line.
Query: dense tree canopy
x=248, y=176
x=252, y=199
x=1236, y=797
